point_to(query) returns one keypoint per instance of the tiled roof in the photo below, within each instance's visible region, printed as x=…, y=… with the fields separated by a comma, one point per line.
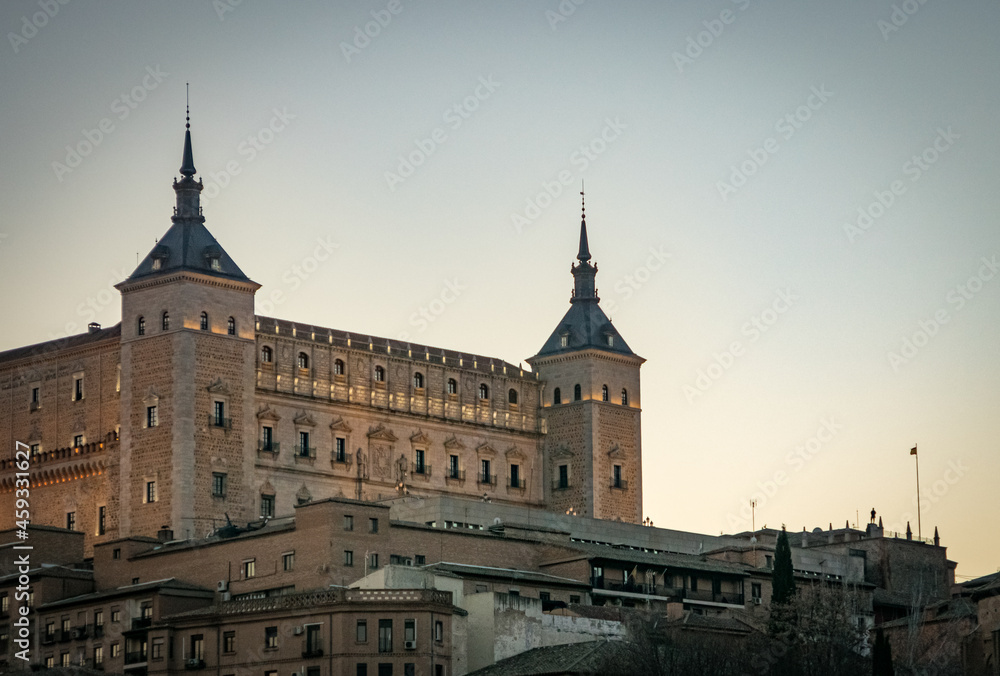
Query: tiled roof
x=592, y=657
x=663, y=559
x=166, y=583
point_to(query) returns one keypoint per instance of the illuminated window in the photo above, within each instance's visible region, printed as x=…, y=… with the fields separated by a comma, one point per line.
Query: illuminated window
x=624, y=397
x=379, y=374
x=231, y=326
x=418, y=381
x=303, y=360
x=604, y=392
x=204, y=321
x=338, y=367
x=484, y=391
x=266, y=355
x=452, y=386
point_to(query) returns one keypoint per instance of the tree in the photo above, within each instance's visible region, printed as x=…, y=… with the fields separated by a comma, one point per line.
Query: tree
x=783, y=578
x=882, y=656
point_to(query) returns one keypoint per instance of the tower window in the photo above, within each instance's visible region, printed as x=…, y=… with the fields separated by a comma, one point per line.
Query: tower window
x=611, y=340
x=150, y=491
x=338, y=367
x=512, y=396
x=218, y=485
x=418, y=381
x=577, y=394
x=453, y=471
x=165, y=321
x=563, y=476
x=379, y=374
x=556, y=396
x=484, y=391
x=604, y=392
x=564, y=340
x=215, y=263
x=102, y=520
x=204, y=321
x=266, y=505
x=303, y=361
x=616, y=477
x=231, y=327
x=452, y=386
x=266, y=355
x=70, y=520
x=141, y=326
x=624, y=397
x=78, y=388
x=152, y=420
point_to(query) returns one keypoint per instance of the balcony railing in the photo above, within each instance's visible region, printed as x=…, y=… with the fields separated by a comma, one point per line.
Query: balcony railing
x=98, y=630
x=342, y=458
x=268, y=446
x=65, y=635
x=620, y=484
x=135, y=657
x=423, y=471
x=305, y=451
x=48, y=638
x=455, y=474
x=218, y=421
x=669, y=592
x=486, y=479
x=141, y=622
x=313, y=648
x=517, y=483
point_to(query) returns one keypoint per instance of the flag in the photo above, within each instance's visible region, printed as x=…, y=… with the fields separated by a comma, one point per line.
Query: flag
x=913, y=451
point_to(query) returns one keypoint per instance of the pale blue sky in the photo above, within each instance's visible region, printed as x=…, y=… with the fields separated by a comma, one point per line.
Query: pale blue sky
x=673, y=127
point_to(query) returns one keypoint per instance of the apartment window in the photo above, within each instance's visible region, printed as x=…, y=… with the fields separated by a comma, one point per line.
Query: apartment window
x=219, y=413
x=204, y=321
x=150, y=491
x=141, y=326
x=312, y=639
x=348, y=522
x=116, y=615
x=348, y=557
x=512, y=396
x=98, y=618
x=624, y=397
x=36, y=396
x=453, y=466
x=267, y=505
x=604, y=392
x=362, y=631
x=50, y=662
x=616, y=476
x=98, y=655
x=35, y=449
x=303, y=361
x=4, y=603
x=385, y=636
x=266, y=355
x=409, y=669
x=218, y=485
x=338, y=367
x=556, y=396
x=362, y=669
x=385, y=669
x=694, y=583
x=409, y=630
x=373, y=560
x=270, y=637
x=288, y=561
x=197, y=647
x=78, y=388
x=418, y=381
x=116, y=649
x=78, y=440
x=484, y=391
x=267, y=438
x=151, y=417
x=438, y=631
x=372, y=525
x=768, y=561
x=157, y=649
x=64, y=660
x=70, y=520
x=573, y=598
x=229, y=642
x=563, y=476
x=249, y=568
x=165, y=321
x=379, y=374
x=755, y=590
x=515, y=476
x=50, y=629
x=231, y=326
x=452, y=386
x=418, y=465
x=419, y=559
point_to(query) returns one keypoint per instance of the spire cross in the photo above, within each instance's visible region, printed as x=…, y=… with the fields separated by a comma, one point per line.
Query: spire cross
x=187, y=118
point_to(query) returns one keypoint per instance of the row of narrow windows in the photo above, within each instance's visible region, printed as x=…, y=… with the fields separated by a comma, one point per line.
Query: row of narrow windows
x=578, y=395
x=165, y=324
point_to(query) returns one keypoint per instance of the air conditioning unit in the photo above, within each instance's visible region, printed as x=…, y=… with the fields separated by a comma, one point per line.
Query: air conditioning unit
x=410, y=645
x=298, y=631
x=756, y=602
x=222, y=586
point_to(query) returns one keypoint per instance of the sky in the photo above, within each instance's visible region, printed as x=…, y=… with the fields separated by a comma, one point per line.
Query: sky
x=793, y=207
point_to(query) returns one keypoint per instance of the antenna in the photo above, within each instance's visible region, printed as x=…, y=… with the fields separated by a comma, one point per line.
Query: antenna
x=187, y=118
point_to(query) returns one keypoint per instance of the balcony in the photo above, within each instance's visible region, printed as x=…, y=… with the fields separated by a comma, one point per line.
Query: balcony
x=486, y=479
x=268, y=447
x=48, y=638
x=141, y=623
x=729, y=597
x=98, y=631
x=517, y=483
x=65, y=636
x=135, y=657
x=194, y=664
x=305, y=452
x=341, y=459
x=422, y=471
x=218, y=421
x=560, y=485
x=620, y=484
x=313, y=648
x=454, y=476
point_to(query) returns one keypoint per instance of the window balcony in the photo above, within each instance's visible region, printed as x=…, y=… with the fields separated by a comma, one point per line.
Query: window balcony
x=560, y=485
x=305, y=452
x=218, y=421
x=341, y=459
x=141, y=623
x=422, y=471
x=486, y=479
x=268, y=446
x=517, y=483
x=620, y=484
x=454, y=476
x=135, y=657
x=313, y=648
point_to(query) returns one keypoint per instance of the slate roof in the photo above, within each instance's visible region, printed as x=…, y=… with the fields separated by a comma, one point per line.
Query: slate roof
x=69, y=342
x=591, y=657
x=188, y=245
x=587, y=327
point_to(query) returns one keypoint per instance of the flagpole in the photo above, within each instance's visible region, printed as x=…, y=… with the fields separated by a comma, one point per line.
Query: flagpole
x=916, y=458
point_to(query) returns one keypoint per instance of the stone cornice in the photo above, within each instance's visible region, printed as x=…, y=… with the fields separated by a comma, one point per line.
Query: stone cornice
x=188, y=276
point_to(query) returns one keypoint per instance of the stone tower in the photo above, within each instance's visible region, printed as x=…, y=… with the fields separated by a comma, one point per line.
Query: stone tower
x=591, y=407
x=187, y=379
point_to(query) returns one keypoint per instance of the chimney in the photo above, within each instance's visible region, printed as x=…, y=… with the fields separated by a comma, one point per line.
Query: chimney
x=165, y=534
x=93, y=327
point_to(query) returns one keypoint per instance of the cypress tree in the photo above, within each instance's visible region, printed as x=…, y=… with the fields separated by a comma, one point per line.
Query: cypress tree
x=783, y=578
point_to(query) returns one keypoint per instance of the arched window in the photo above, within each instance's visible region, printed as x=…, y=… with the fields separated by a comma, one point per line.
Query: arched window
x=231, y=327
x=165, y=321
x=338, y=367
x=141, y=326
x=204, y=321
x=418, y=380
x=577, y=394
x=452, y=386
x=484, y=391
x=379, y=374
x=604, y=392
x=512, y=396
x=266, y=355
x=624, y=397
x=303, y=360
x=556, y=396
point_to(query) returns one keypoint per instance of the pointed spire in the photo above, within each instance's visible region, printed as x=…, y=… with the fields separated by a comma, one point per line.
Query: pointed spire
x=187, y=163
x=937, y=538
x=584, y=254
